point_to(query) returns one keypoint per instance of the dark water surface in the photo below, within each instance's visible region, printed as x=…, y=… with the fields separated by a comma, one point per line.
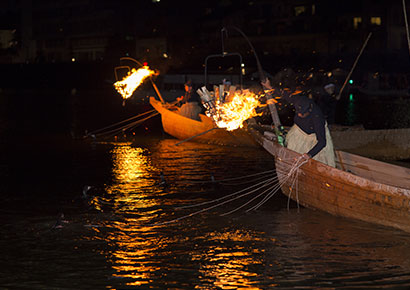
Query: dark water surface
x=108, y=241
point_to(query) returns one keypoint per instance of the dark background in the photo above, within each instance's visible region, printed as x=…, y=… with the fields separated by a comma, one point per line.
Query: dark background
x=44, y=92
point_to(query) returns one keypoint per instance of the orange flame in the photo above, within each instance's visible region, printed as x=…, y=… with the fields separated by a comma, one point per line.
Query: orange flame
x=231, y=115
x=132, y=81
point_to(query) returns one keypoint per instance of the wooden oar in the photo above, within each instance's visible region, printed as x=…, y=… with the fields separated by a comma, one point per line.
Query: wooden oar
x=197, y=135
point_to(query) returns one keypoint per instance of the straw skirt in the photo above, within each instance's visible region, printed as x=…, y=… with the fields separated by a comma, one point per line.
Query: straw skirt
x=301, y=142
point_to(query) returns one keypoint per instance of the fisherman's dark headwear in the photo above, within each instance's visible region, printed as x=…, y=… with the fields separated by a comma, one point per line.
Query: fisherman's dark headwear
x=302, y=104
x=188, y=83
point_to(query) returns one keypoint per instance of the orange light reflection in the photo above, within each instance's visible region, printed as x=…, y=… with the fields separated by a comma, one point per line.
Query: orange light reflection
x=228, y=266
x=138, y=251
x=131, y=191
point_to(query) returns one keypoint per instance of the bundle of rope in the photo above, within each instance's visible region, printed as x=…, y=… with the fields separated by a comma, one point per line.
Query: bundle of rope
x=264, y=190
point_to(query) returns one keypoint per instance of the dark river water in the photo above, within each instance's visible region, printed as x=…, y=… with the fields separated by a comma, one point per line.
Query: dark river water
x=125, y=233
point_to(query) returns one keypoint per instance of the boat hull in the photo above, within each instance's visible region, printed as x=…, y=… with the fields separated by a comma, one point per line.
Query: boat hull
x=184, y=128
x=345, y=193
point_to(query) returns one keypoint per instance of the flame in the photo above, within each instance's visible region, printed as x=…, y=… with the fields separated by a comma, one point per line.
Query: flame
x=133, y=80
x=231, y=115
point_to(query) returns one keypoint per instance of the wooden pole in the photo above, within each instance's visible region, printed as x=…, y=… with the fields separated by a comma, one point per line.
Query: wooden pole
x=405, y=22
x=157, y=91
x=354, y=65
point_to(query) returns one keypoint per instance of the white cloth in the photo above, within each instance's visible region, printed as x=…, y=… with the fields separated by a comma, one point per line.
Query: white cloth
x=190, y=110
x=297, y=140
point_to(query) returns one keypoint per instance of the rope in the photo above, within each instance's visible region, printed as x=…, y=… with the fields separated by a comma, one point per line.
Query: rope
x=248, y=181
x=203, y=210
x=248, y=202
x=222, y=198
x=291, y=174
x=126, y=127
x=110, y=126
x=267, y=197
x=236, y=178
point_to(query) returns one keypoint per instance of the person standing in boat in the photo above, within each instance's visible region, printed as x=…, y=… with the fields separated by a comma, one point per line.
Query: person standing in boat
x=309, y=134
x=190, y=103
x=327, y=103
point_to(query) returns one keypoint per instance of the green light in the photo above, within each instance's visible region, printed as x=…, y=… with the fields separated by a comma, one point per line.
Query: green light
x=351, y=82
x=351, y=97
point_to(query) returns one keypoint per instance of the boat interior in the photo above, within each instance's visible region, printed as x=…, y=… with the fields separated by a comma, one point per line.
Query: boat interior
x=374, y=170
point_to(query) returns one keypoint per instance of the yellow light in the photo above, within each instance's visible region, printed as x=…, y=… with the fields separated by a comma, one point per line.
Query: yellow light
x=376, y=20
x=73, y=59
x=357, y=21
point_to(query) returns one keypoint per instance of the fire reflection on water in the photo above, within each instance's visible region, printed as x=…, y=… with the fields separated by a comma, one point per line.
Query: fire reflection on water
x=131, y=169
x=115, y=248
x=131, y=241
x=229, y=263
x=140, y=253
x=131, y=172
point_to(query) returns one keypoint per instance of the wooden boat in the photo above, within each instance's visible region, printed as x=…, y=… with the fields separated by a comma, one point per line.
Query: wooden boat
x=359, y=187
x=205, y=130
x=387, y=144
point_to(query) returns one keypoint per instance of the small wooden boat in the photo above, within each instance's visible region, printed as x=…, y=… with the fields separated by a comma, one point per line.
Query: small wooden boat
x=205, y=131
x=359, y=187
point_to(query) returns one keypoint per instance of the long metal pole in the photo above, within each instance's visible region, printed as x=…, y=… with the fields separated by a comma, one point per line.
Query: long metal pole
x=354, y=65
x=407, y=25
x=270, y=101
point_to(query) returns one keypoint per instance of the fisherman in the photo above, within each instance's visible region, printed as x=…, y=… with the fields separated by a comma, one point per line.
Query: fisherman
x=190, y=103
x=224, y=94
x=327, y=103
x=309, y=134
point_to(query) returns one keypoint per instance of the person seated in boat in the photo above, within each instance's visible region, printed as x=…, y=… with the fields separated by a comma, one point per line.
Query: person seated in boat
x=190, y=107
x=309, y=134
